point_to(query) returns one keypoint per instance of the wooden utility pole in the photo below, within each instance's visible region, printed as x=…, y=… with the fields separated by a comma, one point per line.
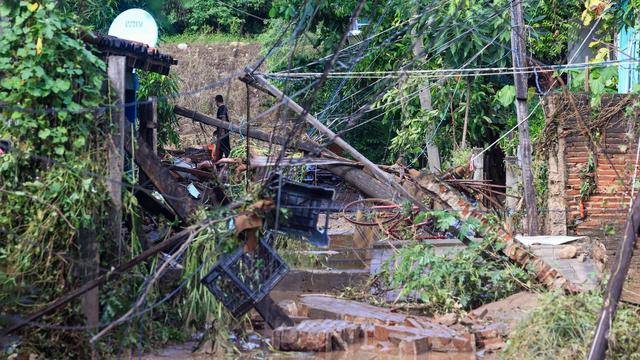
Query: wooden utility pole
x=518, y=55
x=333, y=137
x=433, y=153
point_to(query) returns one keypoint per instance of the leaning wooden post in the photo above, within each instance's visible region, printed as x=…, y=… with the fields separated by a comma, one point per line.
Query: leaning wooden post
x=116, y=71
x=612, y=294
x=264, y=85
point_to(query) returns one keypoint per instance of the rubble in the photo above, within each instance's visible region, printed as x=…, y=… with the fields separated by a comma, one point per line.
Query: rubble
x=568, y=252
x=317, y=335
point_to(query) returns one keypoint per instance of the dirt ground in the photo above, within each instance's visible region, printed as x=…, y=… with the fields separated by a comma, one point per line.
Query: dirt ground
x=202, y=65
x=511, y=310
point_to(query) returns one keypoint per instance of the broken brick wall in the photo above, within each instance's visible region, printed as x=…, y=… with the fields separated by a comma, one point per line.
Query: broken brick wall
x=608, y=135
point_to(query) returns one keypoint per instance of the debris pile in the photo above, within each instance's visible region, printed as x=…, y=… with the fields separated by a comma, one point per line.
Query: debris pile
x=326, y=323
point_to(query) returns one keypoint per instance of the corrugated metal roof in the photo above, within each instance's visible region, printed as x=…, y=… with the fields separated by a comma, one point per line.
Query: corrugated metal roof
x=139, y=56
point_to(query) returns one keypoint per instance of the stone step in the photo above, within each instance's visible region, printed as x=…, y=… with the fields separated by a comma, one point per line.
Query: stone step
x=301, y=281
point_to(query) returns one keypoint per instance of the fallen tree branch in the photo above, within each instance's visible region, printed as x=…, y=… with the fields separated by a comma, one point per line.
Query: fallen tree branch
x=104, y=278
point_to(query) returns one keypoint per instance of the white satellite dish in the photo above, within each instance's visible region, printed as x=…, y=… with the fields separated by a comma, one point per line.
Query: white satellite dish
x=135, y=25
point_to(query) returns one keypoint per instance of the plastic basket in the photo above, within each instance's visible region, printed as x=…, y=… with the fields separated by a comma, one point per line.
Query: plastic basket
x=241, y=280
x=304, y=203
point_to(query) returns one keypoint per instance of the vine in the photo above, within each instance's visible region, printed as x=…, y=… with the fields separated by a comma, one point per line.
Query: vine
x=50, y=184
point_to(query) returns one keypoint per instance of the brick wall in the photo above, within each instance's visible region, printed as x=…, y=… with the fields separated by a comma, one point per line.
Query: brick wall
x=605, y=211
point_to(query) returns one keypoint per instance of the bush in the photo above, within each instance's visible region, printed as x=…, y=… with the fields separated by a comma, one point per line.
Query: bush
x=562, y=327
x=456, y=282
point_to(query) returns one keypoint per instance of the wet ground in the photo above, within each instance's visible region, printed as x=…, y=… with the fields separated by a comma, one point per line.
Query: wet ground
x=358, y=352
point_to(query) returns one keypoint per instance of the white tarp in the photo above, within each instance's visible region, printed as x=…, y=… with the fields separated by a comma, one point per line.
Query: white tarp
x=546, y=239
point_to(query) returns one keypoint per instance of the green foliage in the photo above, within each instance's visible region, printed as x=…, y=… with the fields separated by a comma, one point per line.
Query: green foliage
x=156, y=85
x=208, y=16
x=202, y=38
x=453, y=282
x=562, y=327
x=588, y=176
x=50, y=182
x=603, y=80
x=550, y=28
x=97, y=14
x=456, y=281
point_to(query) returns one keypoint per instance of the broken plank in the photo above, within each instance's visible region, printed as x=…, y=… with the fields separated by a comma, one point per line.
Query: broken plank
x=196, y=172
x=362, y=180
x=161, y=178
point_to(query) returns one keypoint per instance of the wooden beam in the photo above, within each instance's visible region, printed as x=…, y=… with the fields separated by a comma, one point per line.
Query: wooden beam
x=253, y=133
x=384, y=177
x=161, y=178
x=354, y=175
x=148, y=117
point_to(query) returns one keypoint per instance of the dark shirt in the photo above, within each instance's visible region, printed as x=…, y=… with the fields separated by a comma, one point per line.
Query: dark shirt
x=222, y=113
x=224, y=116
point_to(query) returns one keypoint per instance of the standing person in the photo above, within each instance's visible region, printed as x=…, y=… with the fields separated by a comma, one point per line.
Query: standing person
x=223, y=143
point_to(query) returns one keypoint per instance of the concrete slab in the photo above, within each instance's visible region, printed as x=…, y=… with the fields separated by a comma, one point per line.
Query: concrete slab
x=301, y=281
x=583, y=273
x=547, y=239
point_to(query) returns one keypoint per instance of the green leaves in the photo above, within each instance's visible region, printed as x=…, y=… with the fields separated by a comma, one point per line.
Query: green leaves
x=506, y=96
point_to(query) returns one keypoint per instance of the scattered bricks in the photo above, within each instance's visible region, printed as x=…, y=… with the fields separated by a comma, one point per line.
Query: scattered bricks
x=440, y=339
x=446, y=319
x=294, y=309
x=410, y=345
x=477, y=314
x=490, y=337
x=568, y=252
x=317, y=336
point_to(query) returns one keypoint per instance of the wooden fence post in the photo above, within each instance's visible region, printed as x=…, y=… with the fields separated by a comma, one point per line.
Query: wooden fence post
x=116, y=72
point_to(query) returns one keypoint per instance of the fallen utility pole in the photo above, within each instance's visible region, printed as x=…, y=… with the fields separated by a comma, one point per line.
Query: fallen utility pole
x=518, y=55
x=295, y=107
x=100, y=280
x=366, y=183
x=256, y=134
x=619, y=270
